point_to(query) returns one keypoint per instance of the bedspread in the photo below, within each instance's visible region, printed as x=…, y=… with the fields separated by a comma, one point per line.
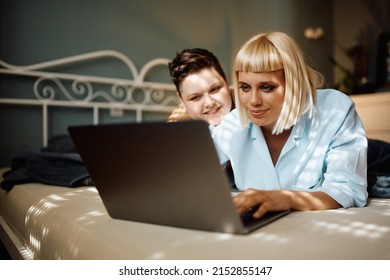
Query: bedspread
x=51, y=222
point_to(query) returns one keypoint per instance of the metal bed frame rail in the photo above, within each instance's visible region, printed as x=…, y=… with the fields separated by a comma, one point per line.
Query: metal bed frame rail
x=50, y=90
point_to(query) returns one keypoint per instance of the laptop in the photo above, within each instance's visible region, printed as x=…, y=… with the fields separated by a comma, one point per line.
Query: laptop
x=162, y=173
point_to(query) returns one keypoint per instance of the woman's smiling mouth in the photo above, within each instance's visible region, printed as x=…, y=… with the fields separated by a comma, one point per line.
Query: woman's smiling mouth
x=212, y=111
x=257, y=113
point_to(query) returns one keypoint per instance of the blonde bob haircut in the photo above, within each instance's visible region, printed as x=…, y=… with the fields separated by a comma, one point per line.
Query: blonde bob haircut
x=273, y=51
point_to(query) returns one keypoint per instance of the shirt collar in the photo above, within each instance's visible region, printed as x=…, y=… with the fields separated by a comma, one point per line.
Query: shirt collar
x=300, y=127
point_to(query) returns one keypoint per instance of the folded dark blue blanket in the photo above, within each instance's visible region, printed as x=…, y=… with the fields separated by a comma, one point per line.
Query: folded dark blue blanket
x=57, y=164
x=378, y=168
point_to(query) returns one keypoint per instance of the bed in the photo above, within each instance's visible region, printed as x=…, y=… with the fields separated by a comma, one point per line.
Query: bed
x=48, y=221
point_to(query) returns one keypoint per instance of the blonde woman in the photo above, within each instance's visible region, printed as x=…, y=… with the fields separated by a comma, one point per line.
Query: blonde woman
x=291, y=144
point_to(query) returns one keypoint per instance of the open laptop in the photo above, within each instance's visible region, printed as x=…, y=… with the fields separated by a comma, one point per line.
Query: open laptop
x=162, y=173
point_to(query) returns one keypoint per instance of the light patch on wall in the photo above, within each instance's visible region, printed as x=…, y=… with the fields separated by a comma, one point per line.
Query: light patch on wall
x=314, y=33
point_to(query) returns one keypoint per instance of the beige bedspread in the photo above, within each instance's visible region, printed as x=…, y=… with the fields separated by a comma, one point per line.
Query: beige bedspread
x=50, y=222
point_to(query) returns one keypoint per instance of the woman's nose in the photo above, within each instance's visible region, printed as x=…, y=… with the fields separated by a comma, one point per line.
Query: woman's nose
x=255, y=98
x=209, y=100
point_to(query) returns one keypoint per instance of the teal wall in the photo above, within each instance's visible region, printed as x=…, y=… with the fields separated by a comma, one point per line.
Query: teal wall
x=42, y=30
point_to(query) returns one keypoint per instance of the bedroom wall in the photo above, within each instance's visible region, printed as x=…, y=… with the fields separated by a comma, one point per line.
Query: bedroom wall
x=42, y=30
x=35, y=31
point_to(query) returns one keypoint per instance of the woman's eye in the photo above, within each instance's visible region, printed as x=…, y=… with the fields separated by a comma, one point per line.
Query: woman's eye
x=215, y=89
x=244, y=88
x=267, y=88
x=194, y=98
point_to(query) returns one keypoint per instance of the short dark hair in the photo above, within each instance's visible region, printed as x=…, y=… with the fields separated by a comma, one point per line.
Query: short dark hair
x=190, y=61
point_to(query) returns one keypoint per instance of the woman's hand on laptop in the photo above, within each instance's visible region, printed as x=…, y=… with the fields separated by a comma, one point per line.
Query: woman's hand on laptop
x=270, y=200
x=279, y=200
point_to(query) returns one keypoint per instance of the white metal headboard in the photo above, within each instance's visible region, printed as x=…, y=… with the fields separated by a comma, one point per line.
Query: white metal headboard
x=158, y=97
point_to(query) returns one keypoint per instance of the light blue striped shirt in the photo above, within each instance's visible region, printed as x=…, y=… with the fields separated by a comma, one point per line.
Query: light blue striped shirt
x=327, y=152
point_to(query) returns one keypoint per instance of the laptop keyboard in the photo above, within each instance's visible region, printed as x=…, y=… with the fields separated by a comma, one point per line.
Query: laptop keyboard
x=247, y=217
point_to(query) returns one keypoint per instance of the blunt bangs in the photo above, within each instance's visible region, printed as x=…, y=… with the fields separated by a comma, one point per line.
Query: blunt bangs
x=249, y=60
